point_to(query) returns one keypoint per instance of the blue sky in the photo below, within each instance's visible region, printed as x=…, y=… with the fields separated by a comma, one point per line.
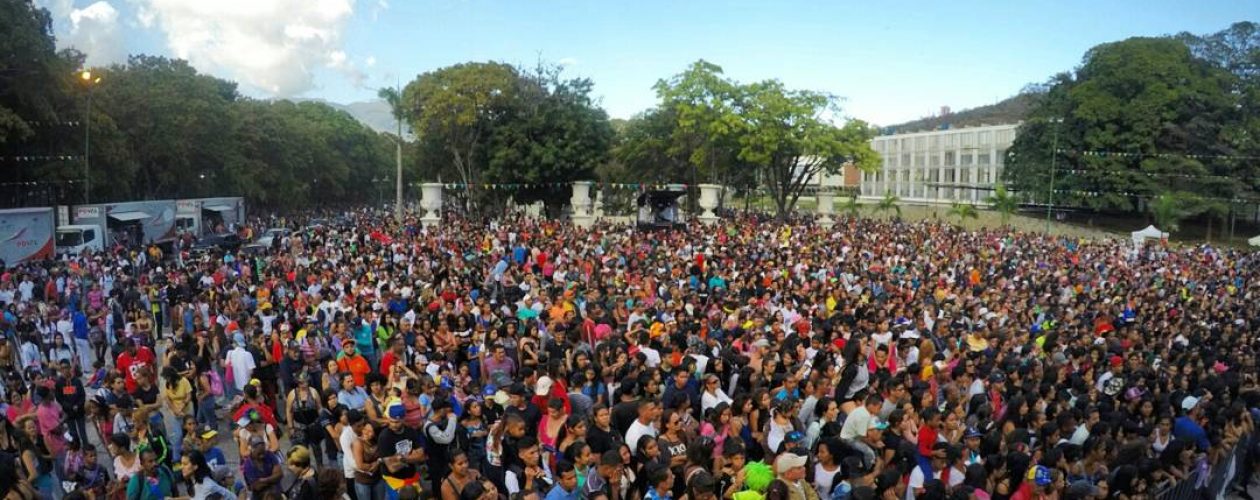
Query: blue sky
x=891, y=61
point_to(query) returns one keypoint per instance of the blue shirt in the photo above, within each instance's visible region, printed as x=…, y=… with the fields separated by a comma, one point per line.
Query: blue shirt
x=1188, y=429
x=80, y=325
x=558, y=493
x=653, y=495
x=363, y=338
x=354, y=400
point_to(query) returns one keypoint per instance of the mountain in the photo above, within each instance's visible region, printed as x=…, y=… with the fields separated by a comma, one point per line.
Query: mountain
x=375, y=114
x=1011, y=110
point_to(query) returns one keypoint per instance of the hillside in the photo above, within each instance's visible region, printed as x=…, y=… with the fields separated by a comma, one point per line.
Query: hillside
x=375, y=114
x=1010, y=110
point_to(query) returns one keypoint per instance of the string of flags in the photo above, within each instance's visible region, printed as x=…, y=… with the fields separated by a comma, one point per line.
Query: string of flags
x=38, y=183
x=557, y=185
x=1147, y=174
x=1124, y=154
x=41, y=158
x=1095, y=194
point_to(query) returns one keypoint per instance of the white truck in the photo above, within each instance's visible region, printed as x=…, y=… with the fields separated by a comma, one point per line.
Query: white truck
x=202, y=216
x=26, y=234
x=96, y=227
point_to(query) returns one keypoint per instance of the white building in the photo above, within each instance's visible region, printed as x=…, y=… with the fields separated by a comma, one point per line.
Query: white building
x=939, y=166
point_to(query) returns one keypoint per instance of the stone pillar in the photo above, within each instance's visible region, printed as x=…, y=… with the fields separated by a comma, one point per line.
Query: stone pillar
x=431, y=203
x=598, y=207
x=709, y=201
x=580, y=203
x=826, y=206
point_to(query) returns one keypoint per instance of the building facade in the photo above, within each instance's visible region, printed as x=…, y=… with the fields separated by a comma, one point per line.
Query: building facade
x=939, y=166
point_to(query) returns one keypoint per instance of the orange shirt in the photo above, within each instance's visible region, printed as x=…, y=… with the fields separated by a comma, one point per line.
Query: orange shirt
x=355, y=365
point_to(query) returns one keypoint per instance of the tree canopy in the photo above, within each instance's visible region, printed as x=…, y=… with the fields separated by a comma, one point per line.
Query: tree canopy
x=1144, y=116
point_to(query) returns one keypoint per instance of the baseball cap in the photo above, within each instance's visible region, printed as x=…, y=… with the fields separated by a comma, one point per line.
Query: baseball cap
x=543, y=387
x=787, y=461
x=208, y=432
x=973, y=432
x=1189, y=403
x=877, y=424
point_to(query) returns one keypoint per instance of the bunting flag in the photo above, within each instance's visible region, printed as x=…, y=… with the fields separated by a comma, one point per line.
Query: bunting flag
x=41, y=158
x=1124, y=154
x=1118, y=173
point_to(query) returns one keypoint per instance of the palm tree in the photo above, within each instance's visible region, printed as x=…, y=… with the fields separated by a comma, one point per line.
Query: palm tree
x=394, y=98
x=889, y=202
x=1003, y=202
x=1170, y=208
x=851, y=208
x=963, y=211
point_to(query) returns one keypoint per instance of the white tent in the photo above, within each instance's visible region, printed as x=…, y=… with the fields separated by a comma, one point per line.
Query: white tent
x=1148, y=233
x=1255, y=241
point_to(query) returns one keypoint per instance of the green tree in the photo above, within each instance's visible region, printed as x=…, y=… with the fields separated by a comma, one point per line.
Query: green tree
x=963, y=211
x=454, y=109
x=790, y=144
x=851, y=207
x=552, y=132
x=704, y=106
x=889, y=203
x=1003, y=203
x=1170, y=208
x=1149, y=103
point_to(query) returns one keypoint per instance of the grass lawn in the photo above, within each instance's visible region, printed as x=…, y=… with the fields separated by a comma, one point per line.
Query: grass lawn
x=1076, y=225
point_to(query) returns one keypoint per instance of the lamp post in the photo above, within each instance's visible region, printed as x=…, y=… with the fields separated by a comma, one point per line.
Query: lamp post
x=90, y=81
x=1054, y=157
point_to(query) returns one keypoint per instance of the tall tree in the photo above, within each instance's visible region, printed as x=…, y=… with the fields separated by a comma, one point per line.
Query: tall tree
x=551, y=133
x=1149, y=106
x=789, y=140
x=454, y=109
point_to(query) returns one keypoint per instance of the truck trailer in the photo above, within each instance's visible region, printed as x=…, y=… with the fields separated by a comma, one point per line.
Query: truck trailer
x=202, y=216
x=96, y=227
x=26, y=234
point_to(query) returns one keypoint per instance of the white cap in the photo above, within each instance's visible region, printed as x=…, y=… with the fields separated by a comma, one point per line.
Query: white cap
x=543, y=387
x=1189, y=403
x=787, y=461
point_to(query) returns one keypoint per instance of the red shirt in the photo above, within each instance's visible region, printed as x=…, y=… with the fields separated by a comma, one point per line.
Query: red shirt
x=131, y=365
x=927, y=439
x=387, y=362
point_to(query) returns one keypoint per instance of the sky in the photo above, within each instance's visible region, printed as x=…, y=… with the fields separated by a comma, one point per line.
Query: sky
x=890, y=61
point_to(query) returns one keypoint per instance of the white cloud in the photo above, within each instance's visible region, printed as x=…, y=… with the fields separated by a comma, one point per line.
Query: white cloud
x=567, y=61
x=381, y=6
x=370, y=61
x=94, y=31
x=273, y=45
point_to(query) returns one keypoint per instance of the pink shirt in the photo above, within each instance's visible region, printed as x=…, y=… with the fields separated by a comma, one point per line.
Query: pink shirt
x=49, y=418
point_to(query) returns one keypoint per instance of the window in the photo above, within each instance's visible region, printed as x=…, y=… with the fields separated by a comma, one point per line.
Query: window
x=89, y=235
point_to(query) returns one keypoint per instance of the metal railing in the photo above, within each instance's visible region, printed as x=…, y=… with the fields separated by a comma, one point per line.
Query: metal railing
x=1214, y=481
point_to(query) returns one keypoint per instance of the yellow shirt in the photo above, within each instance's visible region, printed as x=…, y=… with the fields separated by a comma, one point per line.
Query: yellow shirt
x=180, y=397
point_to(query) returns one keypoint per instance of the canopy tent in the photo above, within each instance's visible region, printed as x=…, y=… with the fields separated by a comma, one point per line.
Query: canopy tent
x=1254, y=241
x=128, y=216
x=1148, y=233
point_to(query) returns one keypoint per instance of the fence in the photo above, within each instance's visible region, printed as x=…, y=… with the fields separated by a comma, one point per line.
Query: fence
x=1213, y=481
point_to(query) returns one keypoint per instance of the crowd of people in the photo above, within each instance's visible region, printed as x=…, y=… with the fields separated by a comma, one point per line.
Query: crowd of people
x=522, y=359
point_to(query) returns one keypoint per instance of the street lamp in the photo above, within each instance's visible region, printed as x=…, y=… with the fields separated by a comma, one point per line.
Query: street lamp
x=90, y=81
x=1054, y=157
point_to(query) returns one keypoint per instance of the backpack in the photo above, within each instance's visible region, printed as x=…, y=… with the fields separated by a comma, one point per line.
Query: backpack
x=216, y=383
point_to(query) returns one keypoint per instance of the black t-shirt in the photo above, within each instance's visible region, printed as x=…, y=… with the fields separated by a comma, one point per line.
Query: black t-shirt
x=624, y=414
x=147, y=396
x=400, y=443
x=601, y=440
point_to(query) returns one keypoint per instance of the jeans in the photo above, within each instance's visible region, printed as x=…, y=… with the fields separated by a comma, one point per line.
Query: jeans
x=375, y=491
x=84, y=350
x=175, y=431
x=205, y=412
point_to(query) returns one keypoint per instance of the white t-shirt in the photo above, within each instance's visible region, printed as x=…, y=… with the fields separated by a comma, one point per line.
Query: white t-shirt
x=856, y=424
x=917, y=479
x=242, y=366
x=347, y=439
x=638, y=430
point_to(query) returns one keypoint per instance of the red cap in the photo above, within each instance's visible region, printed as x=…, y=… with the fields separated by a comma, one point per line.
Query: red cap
x=1117, y=361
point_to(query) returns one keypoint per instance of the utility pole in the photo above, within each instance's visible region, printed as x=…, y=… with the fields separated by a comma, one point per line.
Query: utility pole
x=87, y=135
x=398, y=183
x=1054, y=157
